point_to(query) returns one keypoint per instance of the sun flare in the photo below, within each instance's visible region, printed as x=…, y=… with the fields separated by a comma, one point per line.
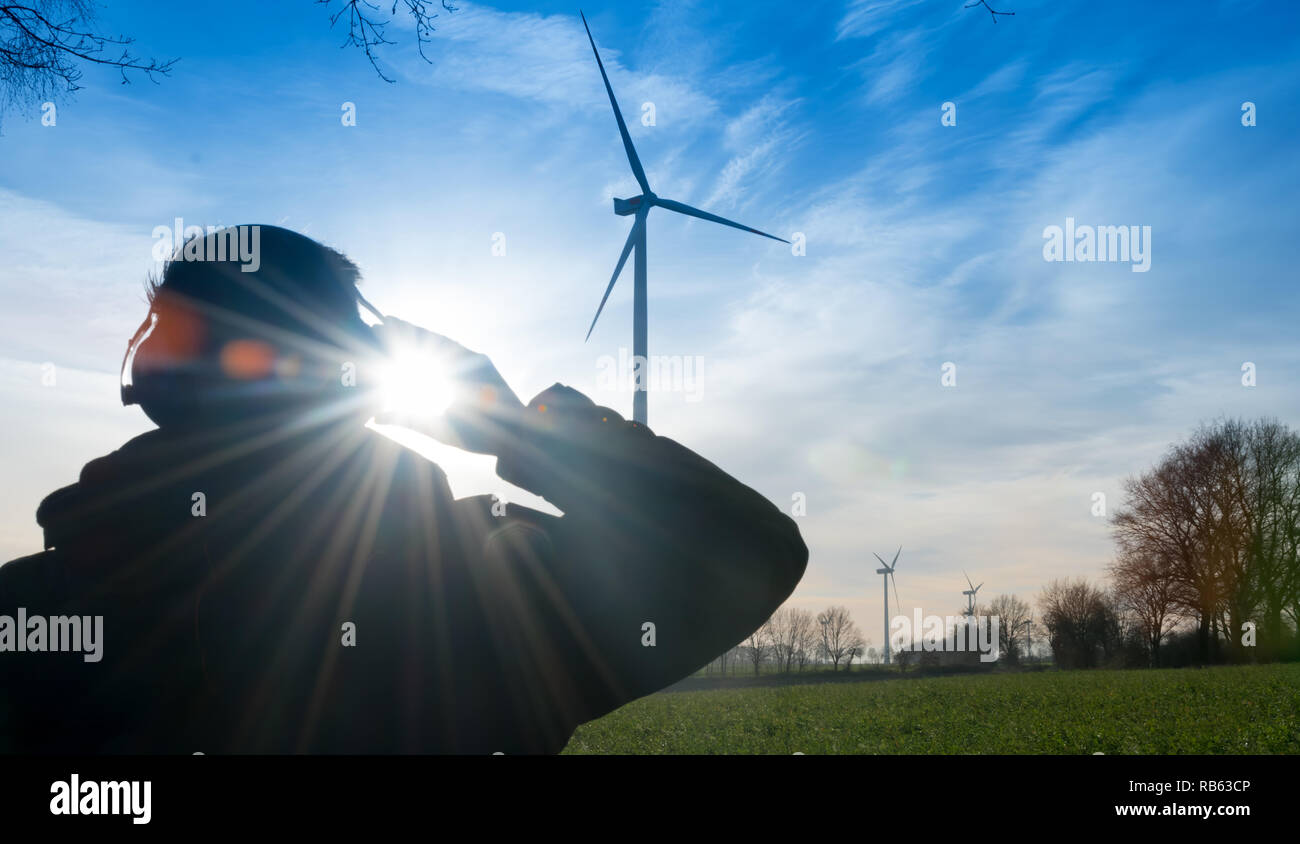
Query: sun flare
x=416, y=384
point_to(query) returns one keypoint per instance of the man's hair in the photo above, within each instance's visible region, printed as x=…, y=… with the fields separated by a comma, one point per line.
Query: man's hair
x=299, y=287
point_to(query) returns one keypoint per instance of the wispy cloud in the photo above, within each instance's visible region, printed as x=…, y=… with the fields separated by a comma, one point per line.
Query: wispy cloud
x=547, y=59
x=865, y=18
x=762, y=138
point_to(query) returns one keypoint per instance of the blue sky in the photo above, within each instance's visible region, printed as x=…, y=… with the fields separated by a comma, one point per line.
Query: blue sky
x=821, y=371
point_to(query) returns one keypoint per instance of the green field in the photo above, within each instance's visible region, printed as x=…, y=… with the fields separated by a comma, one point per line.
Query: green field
x=1246, y=709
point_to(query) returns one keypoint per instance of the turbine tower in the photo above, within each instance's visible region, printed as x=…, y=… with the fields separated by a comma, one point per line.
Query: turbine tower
x=888, y=572
x=640, y=207
x=970, y=595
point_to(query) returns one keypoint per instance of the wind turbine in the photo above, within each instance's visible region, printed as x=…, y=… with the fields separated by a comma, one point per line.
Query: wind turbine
x=888, y=572
x=970, y=595
x=640, y=207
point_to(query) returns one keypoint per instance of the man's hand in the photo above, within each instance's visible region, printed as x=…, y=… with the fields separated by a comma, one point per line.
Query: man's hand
x=485, y=414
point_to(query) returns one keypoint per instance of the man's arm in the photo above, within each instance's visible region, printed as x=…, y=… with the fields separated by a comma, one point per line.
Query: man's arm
x=662, y=560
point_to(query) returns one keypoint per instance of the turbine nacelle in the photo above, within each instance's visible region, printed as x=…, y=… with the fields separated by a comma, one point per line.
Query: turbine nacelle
x=627, y=207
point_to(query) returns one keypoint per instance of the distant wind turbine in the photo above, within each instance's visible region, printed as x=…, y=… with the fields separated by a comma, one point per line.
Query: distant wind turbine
x=640, y=206
x=888, y=572
x=970, y=594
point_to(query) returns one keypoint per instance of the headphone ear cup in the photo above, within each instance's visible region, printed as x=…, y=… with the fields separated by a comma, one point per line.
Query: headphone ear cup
x=143, y=351
x=166, y=394
x=127, y=391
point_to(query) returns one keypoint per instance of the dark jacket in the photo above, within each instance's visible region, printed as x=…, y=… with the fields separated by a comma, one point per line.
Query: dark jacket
x=472, y=630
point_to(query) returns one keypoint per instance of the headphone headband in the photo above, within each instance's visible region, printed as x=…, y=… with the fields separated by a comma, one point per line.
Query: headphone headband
x=128, y=390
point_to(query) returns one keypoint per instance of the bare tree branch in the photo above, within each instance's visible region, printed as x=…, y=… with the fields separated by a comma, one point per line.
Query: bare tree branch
x=985, y=4
x=366, y=25
x=44, y=42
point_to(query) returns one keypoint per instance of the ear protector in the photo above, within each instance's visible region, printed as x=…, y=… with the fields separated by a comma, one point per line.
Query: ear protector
x=125, y=381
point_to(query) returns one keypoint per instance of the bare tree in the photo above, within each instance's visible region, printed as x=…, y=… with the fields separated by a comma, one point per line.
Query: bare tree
x=728, y=658
x=1012, y=613
x=758, y=643
x=839, y=635
x=791, y=631
x=806, y=638
x=779, y=635
x=1081, y=623
x=1145, y=586
x=45, y=43
x=722, y=662
x=803, y=629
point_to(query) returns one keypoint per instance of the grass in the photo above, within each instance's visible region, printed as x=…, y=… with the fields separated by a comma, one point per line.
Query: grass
x=1223, y=710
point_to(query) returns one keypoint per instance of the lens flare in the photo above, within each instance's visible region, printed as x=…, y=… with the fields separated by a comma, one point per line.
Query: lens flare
x=415, y=384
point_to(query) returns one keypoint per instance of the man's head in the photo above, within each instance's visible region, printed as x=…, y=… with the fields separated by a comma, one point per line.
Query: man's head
x=223, y=345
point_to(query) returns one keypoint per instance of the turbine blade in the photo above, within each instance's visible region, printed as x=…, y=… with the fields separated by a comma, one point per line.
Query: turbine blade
x=632, y=158
x=897, y=602
x=683, y=208
x=622, y=259
x=882, y=561
x=967, y=576
x=896, y=553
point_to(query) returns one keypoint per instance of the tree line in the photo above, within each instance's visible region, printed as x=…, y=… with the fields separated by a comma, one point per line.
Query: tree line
x=794, y=639
x=1206, y=565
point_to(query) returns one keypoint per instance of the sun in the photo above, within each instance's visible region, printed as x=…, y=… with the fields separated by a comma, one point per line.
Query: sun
x=415, y=383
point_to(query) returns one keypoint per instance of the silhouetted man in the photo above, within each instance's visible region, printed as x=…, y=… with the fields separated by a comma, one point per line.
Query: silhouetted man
x=273, y=576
